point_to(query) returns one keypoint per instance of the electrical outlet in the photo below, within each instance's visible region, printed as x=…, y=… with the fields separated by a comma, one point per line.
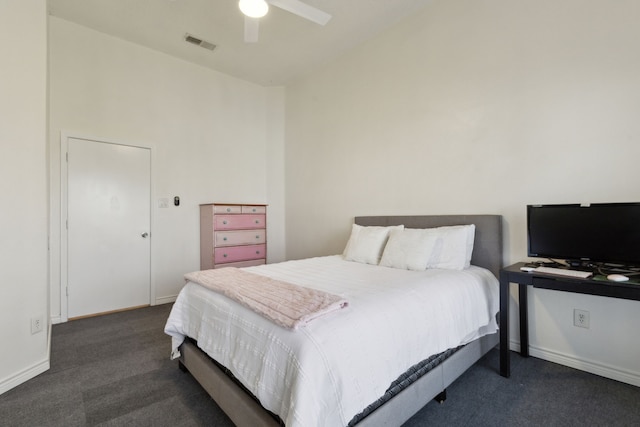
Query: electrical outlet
x=37, y=323
x=581, y=318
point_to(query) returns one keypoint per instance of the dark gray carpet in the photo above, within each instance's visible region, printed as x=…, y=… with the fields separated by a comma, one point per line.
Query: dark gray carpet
x=115, y=370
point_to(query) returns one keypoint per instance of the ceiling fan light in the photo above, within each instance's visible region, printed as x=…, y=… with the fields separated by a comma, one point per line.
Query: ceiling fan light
x=254, y=8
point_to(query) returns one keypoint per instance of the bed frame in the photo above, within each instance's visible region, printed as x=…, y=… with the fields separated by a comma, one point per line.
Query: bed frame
x=244, y=410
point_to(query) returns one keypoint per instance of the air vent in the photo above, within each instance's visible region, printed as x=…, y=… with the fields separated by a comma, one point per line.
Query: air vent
x=199, y=42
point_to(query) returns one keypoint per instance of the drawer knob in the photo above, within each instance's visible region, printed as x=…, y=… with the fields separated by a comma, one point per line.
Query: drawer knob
x=257, y=236
x=224, y=238
x=228, y=209
x=257, y=252
x=224, y=222
x=254, y=209
x=224, y=255
x=257, y=221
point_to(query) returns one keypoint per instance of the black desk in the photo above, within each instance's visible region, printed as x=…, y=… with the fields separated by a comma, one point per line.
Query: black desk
x=513, y=274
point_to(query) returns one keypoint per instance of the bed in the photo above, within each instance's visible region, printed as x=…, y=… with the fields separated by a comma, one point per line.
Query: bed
x=398, y=395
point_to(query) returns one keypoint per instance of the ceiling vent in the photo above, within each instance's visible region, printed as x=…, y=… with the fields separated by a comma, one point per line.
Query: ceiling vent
x=199, y=42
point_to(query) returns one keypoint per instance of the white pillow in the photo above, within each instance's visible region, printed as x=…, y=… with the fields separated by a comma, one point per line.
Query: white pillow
x=367, y=243
x=454, y=247
x=409, y=249
x=418, y=249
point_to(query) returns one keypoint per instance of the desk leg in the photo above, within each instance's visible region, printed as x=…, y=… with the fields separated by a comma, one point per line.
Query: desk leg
x=505, y=358
x=524, y=320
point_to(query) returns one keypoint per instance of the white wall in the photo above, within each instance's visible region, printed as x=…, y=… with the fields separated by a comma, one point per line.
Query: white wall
x=23, y=184
x=213, y=139
x=275, y=174
x=479, y=107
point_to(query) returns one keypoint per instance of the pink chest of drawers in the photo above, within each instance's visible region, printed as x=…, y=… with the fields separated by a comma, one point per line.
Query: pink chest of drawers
x=232, y=235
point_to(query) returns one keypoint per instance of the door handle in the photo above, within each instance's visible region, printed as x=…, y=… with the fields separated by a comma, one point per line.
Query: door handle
x=145, y=235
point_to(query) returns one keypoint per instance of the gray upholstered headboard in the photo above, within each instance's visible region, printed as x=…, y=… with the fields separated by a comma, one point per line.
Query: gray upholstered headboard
x=487, y=248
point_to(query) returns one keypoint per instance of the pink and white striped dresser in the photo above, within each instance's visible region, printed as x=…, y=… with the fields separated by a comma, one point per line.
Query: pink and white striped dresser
x=232, y=235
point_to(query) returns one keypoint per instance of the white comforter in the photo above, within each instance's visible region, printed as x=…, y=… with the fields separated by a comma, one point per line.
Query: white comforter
x=329, y=371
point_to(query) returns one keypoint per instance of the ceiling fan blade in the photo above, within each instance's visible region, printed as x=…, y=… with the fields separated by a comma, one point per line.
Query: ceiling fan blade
x=303, y=10
x=251, y=26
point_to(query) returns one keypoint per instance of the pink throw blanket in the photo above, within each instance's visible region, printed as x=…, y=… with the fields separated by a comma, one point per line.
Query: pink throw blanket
x=287, y=305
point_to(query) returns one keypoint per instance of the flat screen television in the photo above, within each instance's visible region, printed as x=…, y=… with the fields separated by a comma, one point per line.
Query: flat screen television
x=588, y=234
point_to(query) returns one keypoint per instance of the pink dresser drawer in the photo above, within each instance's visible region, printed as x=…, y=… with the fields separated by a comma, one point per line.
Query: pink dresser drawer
x=230, y=209
x=242, y=264
x=239, y=253
x=254, y=209
x=242, y=237
x=239, y=222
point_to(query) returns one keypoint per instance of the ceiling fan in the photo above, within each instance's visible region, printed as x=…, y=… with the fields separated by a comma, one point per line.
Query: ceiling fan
x=255, y=9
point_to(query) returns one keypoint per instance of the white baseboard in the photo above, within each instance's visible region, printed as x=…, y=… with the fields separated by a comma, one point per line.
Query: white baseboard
x=163, y=300
x=166, y=300
x=591, y=366
x=24, y=375
x=30, y=372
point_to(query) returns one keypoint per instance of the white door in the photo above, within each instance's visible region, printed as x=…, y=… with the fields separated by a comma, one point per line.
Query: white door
x=108, y=230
